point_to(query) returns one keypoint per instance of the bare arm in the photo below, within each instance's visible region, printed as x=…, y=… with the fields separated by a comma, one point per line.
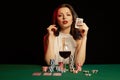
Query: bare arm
x=48, y=48
x=80, y=54
x=49, y=45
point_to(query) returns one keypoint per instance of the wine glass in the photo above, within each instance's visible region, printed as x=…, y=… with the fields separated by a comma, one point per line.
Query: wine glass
x=65, y=53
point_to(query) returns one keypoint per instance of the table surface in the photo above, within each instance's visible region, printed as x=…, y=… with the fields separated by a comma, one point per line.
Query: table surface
x=25, y=71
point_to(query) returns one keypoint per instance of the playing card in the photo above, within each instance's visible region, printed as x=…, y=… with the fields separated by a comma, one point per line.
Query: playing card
x=78, y=22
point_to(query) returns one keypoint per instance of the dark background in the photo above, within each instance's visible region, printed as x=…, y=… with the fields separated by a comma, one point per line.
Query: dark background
x=23, y=25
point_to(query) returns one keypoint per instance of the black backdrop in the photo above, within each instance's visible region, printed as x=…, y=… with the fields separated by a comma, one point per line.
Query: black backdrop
x=24, y=25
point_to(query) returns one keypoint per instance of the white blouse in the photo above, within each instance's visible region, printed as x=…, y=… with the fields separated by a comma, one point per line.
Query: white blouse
x=69, y=40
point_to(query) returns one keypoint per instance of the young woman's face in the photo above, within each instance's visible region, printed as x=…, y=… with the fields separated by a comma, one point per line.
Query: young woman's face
x=64, y=17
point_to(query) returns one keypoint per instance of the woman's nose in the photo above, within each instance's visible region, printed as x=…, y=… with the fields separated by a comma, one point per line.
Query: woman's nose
x=64, y=17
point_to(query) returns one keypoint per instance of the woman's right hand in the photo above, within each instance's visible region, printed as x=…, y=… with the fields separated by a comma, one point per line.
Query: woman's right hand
x=51, y=29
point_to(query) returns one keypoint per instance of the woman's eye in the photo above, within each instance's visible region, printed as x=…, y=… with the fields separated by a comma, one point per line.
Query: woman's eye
x=68, y=14
x=59, y=15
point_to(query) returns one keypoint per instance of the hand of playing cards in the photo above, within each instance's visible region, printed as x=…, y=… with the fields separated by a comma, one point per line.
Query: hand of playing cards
x=78, y=22
x=83, y=28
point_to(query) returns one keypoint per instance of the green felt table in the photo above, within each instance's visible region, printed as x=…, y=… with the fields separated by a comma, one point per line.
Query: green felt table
x=25, y=71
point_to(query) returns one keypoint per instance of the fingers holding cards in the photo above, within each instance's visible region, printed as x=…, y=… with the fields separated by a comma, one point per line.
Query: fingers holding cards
x=79, y=24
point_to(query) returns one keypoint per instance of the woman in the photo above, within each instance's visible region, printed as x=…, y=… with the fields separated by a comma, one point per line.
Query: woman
x=62, y=28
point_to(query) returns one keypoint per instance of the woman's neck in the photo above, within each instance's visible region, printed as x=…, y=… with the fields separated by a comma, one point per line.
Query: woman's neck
x=65, y=31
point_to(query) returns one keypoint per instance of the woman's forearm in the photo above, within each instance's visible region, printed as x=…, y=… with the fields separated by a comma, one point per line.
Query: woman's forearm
x=81, y=53
x=49, y=54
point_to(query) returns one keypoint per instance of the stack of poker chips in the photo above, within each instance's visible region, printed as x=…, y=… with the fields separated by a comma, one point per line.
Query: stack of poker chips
x=77, y=68
x=71, y=63
x=44, y=68
x=52, y=65
x=61, y=67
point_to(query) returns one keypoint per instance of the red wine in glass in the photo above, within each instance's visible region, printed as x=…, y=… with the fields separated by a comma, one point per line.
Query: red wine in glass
x=65, y=54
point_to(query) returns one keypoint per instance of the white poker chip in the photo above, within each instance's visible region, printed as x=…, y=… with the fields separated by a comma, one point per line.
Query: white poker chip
x=87, y=74
x=85, y=71
x=94, y=71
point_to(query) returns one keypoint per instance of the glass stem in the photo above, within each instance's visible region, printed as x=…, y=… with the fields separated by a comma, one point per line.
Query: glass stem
x=65, y=63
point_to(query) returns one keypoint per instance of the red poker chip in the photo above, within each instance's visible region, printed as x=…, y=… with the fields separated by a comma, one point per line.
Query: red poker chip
x=57, y=74
x=47, y=74
x=44, y=68
x=36, y=74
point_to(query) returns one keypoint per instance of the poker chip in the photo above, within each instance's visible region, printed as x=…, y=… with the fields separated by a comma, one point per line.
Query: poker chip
x=85, y=71
x=75, y=71
x=94, y=71
x=79, y=68
x=57, y=74
x=47, y=74
x=44, y=68
x=72, y=69
x=88, y=74
x=61, y=64
x=52, y=62
x=36, y=74
x=71, y=64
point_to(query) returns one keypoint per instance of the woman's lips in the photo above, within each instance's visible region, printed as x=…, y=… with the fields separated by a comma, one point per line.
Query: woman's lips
x=65, y=22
